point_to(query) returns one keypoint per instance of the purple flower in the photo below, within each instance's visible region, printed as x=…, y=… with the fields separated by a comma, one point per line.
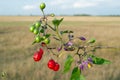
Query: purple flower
x=60, y=48
x=90, y=59
x=69, y=43
x=85, y=63
x=82, y=38
x=81, y=67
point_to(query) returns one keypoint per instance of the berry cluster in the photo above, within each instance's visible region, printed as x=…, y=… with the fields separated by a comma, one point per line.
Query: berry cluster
x=53, y=65
x=38, y=28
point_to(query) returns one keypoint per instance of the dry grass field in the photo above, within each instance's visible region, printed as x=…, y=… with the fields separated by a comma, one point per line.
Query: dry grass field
x=16, y=50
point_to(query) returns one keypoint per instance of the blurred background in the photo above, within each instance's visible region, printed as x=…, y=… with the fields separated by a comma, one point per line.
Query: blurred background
x=98, y=19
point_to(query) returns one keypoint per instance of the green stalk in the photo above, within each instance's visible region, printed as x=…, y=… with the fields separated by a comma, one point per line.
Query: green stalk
x=43, y=14
x=59, y=36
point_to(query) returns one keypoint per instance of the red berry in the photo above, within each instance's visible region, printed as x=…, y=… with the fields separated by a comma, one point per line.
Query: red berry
x=37, y=56
x=51, y=64
x=41, y=51
x=57, y=66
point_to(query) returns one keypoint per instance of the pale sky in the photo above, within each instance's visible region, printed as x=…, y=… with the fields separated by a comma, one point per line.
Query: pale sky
x=60, y=7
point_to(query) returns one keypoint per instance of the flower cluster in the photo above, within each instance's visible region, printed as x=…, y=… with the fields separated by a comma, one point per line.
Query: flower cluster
x=86, y=64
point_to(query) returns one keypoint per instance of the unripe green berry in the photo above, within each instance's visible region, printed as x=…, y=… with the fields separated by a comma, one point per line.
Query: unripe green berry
x=37, y=24
x=47, y=41
x=32, y=28
x=37, y=39
x=36, y=31
x=52, y=15
x=42, y=6
x=43, y=37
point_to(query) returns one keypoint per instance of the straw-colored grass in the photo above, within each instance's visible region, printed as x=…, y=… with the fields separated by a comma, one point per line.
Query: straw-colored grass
x=16, y=50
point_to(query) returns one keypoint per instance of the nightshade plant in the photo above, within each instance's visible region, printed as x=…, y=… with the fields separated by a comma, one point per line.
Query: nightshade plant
x=83, y=51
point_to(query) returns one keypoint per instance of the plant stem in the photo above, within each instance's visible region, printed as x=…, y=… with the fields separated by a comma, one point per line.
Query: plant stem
x=59, y=36
x=43, y=14
x=50, y=27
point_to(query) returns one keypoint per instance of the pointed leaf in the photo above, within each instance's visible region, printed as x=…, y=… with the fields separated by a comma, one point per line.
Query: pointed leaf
x=76, y=74
x=68, y=63
x=99, y=61
x=92, y=40
x=82, y=77
x=57, y=22
x=62, y=32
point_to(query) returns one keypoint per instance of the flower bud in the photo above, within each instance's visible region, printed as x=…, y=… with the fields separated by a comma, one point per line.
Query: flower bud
x=90, y=59
x=60, y=48
x=82, y=38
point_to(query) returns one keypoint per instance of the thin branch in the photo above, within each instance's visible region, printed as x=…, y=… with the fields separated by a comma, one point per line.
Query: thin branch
x=51, y=48
x=50, y=27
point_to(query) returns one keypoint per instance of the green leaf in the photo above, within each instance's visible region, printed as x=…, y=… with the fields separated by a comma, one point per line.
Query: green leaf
x=68, y=63
x=92, y=40
x=76, y=74
x=99, y=61
x=57, y=22
x=42, y=30
x=82, y=77
x=62, y=32
x=47, y=35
